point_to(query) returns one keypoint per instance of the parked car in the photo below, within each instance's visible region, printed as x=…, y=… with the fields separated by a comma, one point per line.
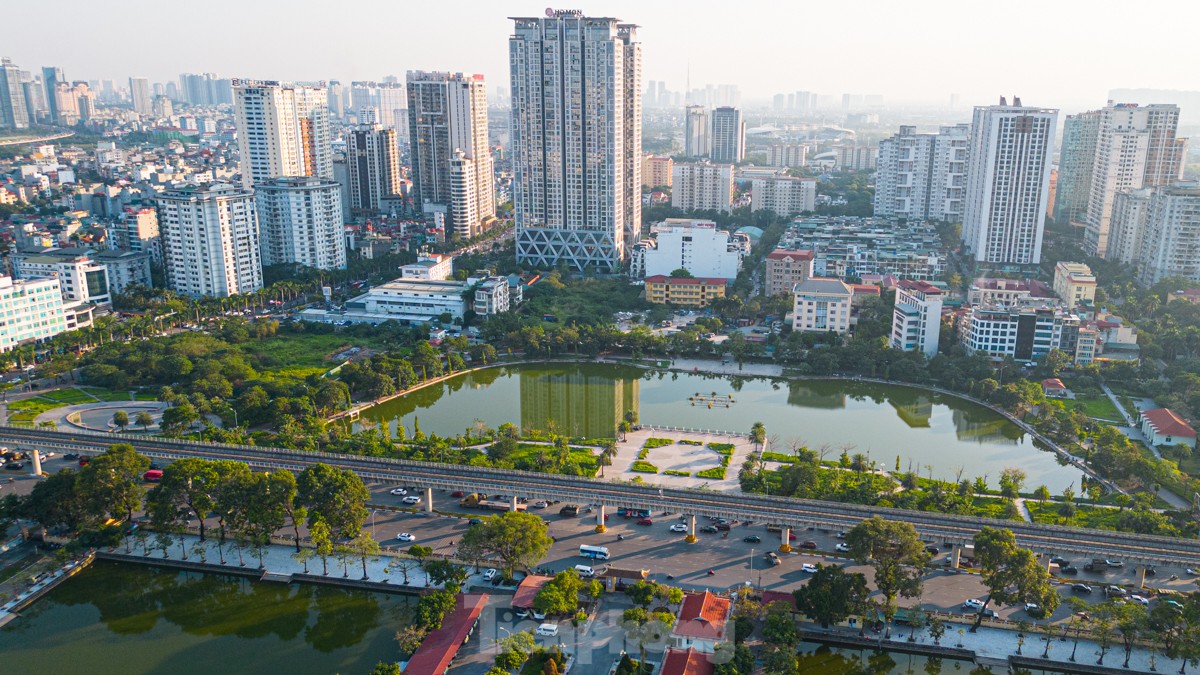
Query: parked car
x=1114, y=563
x=547, y=629
x=1114, y=592
x=973, y=603
x=1035, y=610
x=1145, y=602
x=1059, y=560
x=932, y=550
x=808, y=568
x=842, y=548
x=404, y=536
x=773, y=558
x=490, y=574
x=679, y=527
x=1081, y=588
x=809, y=545
x=752, y=539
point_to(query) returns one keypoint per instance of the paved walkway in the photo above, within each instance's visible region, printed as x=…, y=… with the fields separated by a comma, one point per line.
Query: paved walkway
x=681, y=457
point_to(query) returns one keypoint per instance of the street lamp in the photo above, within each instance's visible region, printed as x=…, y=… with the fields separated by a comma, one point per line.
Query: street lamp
x=751, y=566
x=496, y=639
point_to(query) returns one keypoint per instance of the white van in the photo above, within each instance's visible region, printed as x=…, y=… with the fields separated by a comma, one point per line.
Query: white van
x=585, y=571
x=548, y=629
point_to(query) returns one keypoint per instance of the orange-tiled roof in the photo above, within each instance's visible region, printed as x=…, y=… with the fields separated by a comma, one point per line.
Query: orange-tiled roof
x=686, y=662
x=703, y=616
x=782, y=253
x=1168, y=423
x=685, y=281
x=1053, y=383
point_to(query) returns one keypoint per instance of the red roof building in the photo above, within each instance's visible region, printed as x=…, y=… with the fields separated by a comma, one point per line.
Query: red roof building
x=1052, y=387
x=528, y=590
x=441, y=646
x=701, y=621
x=1163, y=427
x=686, y=662
x=771, y=597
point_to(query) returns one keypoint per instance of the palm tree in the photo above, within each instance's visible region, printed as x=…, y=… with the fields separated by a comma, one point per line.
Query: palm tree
x=758, y=434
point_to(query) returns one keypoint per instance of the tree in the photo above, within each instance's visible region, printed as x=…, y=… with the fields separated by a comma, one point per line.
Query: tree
x=896, y=553
x=143, y=419
x=780, y=629
x=336, y=496
x=1011, y=481
x=515, y=538
x=365, y=546
x=322, y=538
x=120, y=420
x=559, y=595
x=681, y=273
x=446, y=574
x=733, y=659
x=832, y=595
x=111, y=484
x=1042, y=494
x=1011, y=574
x=54, y=501
x=1132, y=621
x=641, y=593
x=758, y=434
x=432, y=608
x=382, y=668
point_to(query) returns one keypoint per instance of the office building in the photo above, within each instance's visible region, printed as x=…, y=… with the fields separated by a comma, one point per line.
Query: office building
x=696, y=129
x=1128, y=224
x=1008, y=183
x=785, y=269
x=923, y=176
x=33, y=311
x=429, y=266
x=81, y=279
x=1136, y=147
x=408, y=301
x=822, y=306
x=657, y=171
x=51, y=78
x=697, y=246
x=283, y=130
x=686, y=292
x=372, y=168
x=917, y=317
x=210, y=240
x=14, y=113
x=1074, y=283
x=1075, y=167
x=784, y=195
x=140, y=95
x=728, y=135
x=576, y=127
x=702, y=186
x=452, y=163
x=1025, y=333
x=125, y=269
x=1171, y=241
x=787, y=155
x=300, y=222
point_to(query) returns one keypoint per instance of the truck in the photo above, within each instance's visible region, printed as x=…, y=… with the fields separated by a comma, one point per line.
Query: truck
x=480, y=501
x=1097, y=565
x=571, y=510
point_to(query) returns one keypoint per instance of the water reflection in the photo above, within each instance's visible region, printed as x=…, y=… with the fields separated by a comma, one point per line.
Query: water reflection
x=576, y=401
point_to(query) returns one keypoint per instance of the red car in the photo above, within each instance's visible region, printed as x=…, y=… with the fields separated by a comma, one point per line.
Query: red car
x=645, y=521
x=457, y=493
x=152, y=476
x=809, y=544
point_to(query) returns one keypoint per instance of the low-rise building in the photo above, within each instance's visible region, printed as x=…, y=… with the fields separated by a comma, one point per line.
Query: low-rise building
x=686, y=292
x=701, y=623
x=822, y=305
x=785, y=269
x=1005, y=292
x=1052, y=387
x=694, y=245
x=81, y=278
x=686, y=662
x=491, y=296
x=1025, y=333
x=33, y=311
x=1074, y=283
x=848, y=247
x=917, y=317
x=407, y=301
x=1163, y=427
x=429, y=266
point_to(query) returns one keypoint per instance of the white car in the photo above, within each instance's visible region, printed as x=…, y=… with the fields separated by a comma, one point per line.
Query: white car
x=973, y=603
x=540, y=616
x=1140, y=600
x=411, y=499
x=809, y=568
x=399, y=492
x=842, y=548
x=547, y=629
x=679, y=527
x=490, y=574
x=540, y=504
x=404, y=536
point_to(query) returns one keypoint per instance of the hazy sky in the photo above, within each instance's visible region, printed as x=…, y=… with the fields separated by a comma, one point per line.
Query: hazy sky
x=1054, y=53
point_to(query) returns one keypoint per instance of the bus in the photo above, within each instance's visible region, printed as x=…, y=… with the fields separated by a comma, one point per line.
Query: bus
x=593, y=552
x=633, y=513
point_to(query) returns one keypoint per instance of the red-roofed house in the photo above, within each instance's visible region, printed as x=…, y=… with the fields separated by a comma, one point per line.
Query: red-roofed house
x=440, y=647
x=771, y=597
x=1163, y=427
x=1052, y=387
x=701, y=623
x=686, y=662
x=528, y=590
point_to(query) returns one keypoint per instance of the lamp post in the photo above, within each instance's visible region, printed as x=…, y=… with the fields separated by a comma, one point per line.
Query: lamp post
x=751, y=566
x=496, y=639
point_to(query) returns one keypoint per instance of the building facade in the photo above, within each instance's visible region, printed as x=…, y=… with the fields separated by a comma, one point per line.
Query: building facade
x=664, y=290
x=657, y=171
x=372, y=168
x=1075, y=167
x=14, y=111
x=451, y=159
x=1128, y=224
x=300, y=222
x=140, y=95
x=923, y=176
x=210, y=240
x=1074, y=283
x=81, y=279
x=1024, y=333
x=785, y=269
x=1162, y=426
x=697, y=246
x=33, y=311
x=822, y=306
x=788, y=155
x=702, y=186
x=576, y=125
x=786, y=196
x=1008, y=183
x=283, y=130
x=1171, y=241
x=917, y=317
x=125, y=269
x=728, y=135
x=696, y=128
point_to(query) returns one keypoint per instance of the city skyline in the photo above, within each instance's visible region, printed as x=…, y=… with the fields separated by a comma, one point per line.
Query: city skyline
x=678, y=48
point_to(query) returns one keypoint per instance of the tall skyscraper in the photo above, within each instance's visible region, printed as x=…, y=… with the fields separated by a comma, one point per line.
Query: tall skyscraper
x=728, y=135
x=13, y=112
x=923, y=176
x=300, y=221
x=1171, y=240
x=139, y=94
x=696, y=131
x=372, y=168
x=451, y=160
x=210, y=235
x=51, y=77
x=384, y=102
x=1135, y=147
x=283, y=130
x=1075, y=167
x=1008, y=183
x=576, y=134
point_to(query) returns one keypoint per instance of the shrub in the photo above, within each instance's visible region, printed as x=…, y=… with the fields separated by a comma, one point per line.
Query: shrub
x=652, y=443
x=721, y=448
x=687, y=442
x=644, y=467
x=676, y=472
x=717, y=473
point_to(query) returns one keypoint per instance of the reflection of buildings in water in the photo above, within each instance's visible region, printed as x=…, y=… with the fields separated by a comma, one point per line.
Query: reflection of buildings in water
x=805, y=396
x=996, y=430
x=915, y=411
x=579, y=403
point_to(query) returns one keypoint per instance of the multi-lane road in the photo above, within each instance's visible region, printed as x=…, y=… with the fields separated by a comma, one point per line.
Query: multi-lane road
x=798, y=514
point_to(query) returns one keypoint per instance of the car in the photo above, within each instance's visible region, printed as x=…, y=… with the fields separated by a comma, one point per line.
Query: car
x=791, y=536
x=1060, y=561
x=1114, y=563
x=841, y=534
x=809, y=568
x=547, y=630
x=14, y=466
x=1114, y=592
x=752, y=539
x=490, y=574
x=1173, y=603
x=522, y=613
x=709, y=529
x=474, y=521
x=722, y=526
x=153, y=476
x=404, y=536
x=773, y=558
x=1035, y=610
x=932, y=550
x=809, y=545
x=990, y=613
x=1144, y=601
x=679, y=527
x=399, y=492
x=842, y=548
x=645, y=521
x=585, y=571
x=1069, y=569
x=539, y=615
x=540, y=504
x=457, y=494
x=411, y=499
x=1081, y=588
x=973, y=603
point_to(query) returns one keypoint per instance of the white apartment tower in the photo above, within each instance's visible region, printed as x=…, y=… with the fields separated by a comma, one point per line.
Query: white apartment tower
x=728, y=135
x=448, y=130
x=696, y=132
x=372, y=168
x=1008, y=183
x=141, y=233
x=923, y=176
x=1128, y=225
x=1136, y=147
x=300, y=221
x=33, y=311
x=140, y=94
x=917, y=317
x=1171, y=241
x=283, y=130
x=702, y=186
x=210, y=237
x=576, y=128
x=785, y=195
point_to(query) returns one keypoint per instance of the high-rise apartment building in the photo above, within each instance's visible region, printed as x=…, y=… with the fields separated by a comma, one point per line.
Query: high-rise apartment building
x=1075, y=167
x=451, y=159
x=51, y=78
x=1128, y=225
x=210, y=235
x=141, y=233
x=372, y=168
x=206, y=89
x=657, y=171
x=785, y=195
x=283, y=130
x=14, y=114
x=789, y=155
x=696, y=130
x=1008, y=183
x=33, y=311
x=140, y=95
x=1136, y=147
x=728, y=135
x=382, y=102
x=576, y=136
x=300, y=221
x=923, y=176
x=702, y=186
x=1171, y=241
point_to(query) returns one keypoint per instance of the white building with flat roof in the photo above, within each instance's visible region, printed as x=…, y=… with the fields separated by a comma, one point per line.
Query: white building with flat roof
x=282, y=129
x=81, y=278
x=822, y=306
x=429, y=266
x=406, y=300
x=300, y=221
x=786, y=196
x=33, y=311
x=917, y=318
x=210, y=234
x=702, y=186
x=697, y=246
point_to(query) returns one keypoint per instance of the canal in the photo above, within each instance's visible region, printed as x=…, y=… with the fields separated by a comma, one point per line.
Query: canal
x=931, y=433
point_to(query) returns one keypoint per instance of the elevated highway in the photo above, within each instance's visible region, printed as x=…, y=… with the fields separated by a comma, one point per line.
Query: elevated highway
x=792, y=514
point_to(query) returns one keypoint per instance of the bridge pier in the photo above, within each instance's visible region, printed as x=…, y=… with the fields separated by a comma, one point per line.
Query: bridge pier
x=1142, y=577
x=692, y=527
x=957, y=556
x=512, y=503
x=37, y=461
x=785, y=540
x=600, y=526
x=428, y=500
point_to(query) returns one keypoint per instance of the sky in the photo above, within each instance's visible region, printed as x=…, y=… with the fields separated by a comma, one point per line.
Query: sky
x=1055, y=53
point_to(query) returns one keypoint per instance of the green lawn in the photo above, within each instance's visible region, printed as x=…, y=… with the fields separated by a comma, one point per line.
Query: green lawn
x=1085, y=515
x=1099, y=407
x=988, y=507
x=107, y=394
x=30, y=408
x=145, y=396
x=581, y=456
x=641, y=466
x=302, y=353
x=70, y=396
